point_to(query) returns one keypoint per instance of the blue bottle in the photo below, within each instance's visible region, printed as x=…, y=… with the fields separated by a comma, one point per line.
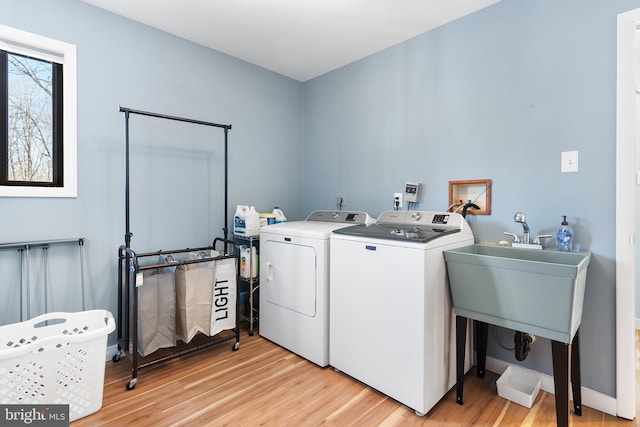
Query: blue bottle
x=564, y=236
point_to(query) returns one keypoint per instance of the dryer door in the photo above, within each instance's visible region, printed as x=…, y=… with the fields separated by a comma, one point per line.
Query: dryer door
x=289, y=278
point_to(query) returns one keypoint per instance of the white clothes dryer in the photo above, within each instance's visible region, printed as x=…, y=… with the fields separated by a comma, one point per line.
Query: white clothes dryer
x=391, y=315
x=294, y=281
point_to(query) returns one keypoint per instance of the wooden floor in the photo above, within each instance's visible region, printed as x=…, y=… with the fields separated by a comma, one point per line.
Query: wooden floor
x=637, y=376
x=263, y=384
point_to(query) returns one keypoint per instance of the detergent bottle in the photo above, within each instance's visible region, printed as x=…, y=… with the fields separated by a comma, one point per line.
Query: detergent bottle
x=279, y=215
x=246, y=221
x=267, y=218
x=248, y=262
x=252, y=222
x=239, y=220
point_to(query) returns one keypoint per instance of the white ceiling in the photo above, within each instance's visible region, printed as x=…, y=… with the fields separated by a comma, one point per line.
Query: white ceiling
x=301, y=39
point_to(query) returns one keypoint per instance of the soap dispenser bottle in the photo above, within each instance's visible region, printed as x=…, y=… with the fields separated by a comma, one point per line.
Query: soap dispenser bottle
x=564, y=236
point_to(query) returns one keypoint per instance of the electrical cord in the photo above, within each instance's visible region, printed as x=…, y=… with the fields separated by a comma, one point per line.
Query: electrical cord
x=495, y=338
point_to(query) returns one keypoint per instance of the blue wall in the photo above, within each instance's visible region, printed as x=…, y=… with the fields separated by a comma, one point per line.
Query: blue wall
x=498, y=94
x=177, y=177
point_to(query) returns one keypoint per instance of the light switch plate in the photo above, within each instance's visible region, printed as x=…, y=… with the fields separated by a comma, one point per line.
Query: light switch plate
x=569, y=161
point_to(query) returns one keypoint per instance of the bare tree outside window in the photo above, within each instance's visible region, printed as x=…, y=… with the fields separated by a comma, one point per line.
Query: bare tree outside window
x=30, y=144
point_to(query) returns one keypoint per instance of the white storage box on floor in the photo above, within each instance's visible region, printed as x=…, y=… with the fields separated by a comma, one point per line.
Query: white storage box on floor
x=519, y=385
x=56, y=358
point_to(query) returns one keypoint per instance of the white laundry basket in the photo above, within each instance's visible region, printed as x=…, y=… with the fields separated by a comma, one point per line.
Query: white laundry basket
x=56, y=358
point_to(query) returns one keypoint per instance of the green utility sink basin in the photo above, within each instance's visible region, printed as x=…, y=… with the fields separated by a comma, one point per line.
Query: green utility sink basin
x=535, y=291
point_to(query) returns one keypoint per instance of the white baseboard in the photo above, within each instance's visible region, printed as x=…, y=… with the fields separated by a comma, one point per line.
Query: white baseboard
x=111, y=350
x=590, y=398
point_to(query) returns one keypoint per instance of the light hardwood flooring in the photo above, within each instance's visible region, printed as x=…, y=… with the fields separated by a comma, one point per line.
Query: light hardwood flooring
x=637, y=376
x=264, y=384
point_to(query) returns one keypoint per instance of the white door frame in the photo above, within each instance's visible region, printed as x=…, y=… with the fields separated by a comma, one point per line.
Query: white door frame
x=626, y=120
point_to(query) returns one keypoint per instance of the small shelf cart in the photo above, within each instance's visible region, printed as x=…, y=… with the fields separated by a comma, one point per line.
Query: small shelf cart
x=252, y=282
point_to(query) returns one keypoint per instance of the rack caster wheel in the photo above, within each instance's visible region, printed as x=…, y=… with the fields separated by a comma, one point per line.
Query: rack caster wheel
x=116, y=357
x=250, y=333
x=235, y=346
x=131, y=384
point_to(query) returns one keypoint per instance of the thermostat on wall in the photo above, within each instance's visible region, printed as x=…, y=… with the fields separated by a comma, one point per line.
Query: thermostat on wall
x=412, y=191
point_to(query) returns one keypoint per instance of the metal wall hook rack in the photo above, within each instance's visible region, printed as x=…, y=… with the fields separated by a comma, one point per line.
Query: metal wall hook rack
x=25, y=270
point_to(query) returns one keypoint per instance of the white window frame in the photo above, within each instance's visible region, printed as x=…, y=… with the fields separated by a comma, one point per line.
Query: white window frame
x=25, y=43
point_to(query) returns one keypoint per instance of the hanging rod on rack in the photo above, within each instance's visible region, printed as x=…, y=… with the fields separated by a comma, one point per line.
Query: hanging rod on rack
x=179, y=119
x=127, y=112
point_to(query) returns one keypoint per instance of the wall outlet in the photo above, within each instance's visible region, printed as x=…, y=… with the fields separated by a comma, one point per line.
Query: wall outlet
x=397, y=200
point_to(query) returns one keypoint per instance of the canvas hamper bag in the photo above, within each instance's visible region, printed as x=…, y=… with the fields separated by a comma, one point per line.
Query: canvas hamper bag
x=223, y=305
x=157, y=310
x=194, y=293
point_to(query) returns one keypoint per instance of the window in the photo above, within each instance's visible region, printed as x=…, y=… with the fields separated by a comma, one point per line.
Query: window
x=38, y=147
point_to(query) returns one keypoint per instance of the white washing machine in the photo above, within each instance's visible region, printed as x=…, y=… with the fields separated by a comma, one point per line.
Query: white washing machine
x=391, y=317
x=294, y=281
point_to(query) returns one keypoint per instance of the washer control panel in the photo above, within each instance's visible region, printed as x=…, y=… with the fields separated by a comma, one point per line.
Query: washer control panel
x=349, y=217
x=440, y=219
x=421, y=218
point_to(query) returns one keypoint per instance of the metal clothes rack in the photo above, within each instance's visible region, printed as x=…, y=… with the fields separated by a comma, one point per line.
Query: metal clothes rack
x=25, y=269
x=128, y=267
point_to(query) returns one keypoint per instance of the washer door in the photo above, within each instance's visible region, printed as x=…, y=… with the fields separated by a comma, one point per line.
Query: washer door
x=290, y=276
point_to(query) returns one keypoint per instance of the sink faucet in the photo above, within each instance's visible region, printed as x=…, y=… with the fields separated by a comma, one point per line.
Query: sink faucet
x=519, y=217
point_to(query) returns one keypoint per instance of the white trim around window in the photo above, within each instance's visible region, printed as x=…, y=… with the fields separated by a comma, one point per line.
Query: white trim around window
x=25, y=43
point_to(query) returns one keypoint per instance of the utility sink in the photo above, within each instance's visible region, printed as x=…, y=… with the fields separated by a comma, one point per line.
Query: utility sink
x=535, y=291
